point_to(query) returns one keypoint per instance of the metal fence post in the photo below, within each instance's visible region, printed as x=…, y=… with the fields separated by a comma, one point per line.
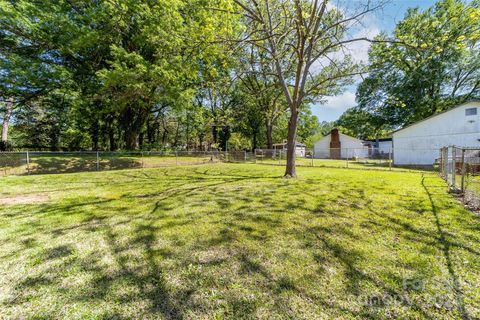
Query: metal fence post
x=464, y=167
x=255, y=155
x=28, y=162
x=441, y=164
x=176, y=158
x=445, y=159
x=142, y=160
x=346, y=152
x=390, y=160
x=245, y=155
x=454, y=165
x=98, y=161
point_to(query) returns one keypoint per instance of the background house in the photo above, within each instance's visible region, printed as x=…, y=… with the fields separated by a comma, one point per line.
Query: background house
x=419, y=143
x=379, y=147
x=300, y=148
x=337, y=145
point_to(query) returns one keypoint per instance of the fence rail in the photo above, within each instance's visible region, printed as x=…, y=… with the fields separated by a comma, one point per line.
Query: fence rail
x=364, y=158
x=21, y=163
x=460, y=168
x=35, y=162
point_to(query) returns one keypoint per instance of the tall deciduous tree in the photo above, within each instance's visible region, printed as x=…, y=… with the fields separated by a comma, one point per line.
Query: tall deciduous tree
x=362, y=124
x=301, y=37
x=261, y=88
x=430, y=63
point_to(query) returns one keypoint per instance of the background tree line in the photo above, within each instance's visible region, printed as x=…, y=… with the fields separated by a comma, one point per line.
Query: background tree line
x=109, y=75
x=125, y=75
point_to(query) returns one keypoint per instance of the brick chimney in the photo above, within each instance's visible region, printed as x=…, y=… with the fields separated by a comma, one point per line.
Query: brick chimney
x=335, y=144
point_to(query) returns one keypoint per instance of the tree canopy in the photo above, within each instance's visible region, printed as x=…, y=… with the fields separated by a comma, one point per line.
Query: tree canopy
x=212, y=74
x=430, y=63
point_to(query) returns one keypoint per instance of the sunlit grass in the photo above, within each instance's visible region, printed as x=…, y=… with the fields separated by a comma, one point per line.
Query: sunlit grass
x=237, y=241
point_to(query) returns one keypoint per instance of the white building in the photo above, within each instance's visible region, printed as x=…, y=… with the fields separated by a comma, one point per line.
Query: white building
x=381, y=146
x=300, y=148
x=337, y=145
x=420, y=143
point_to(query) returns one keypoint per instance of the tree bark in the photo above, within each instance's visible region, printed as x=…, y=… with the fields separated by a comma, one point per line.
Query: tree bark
x=130, y=140
x=141, y=137
x=6, y=124
x=111, y=137
x=133, y=121
x=290, y=170
x=95, y=134
x=269, y=135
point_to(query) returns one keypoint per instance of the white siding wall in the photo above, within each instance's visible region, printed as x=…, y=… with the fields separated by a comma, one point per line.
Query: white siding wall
x=321, y=148
x=351, y=147
x=384, y=146
x=420, y=143
x=300, y=151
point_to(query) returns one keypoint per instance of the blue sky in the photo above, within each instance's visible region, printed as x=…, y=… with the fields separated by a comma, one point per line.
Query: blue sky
x=382, y=21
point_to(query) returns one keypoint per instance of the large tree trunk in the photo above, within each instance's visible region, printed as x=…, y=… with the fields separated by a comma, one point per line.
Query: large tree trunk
x=95, y=134
x=141, y=138
x=131, y=139
x=177, y=136
x=6, y=124
x=269, y=135
x=133, y=121
x=214, y=134
x=111, y=137
x=110, y=130
x=290, y=170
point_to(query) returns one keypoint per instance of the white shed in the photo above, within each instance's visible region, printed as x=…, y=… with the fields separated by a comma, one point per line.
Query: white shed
x=337, y=145
x=300, y=148
x=381, y=146
x=420, y=143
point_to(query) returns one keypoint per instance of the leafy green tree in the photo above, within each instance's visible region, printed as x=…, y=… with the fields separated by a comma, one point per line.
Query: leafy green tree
x=249, y=118
x=430, y=63
x=301, y=37
x=308, y=125
x=261, y=88
x=122, y=60
x=359, y=123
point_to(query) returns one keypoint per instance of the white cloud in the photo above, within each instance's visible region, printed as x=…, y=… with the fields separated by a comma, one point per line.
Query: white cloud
x=359, y=49
x=366, y=27
x=341, y=102
x=334, y=106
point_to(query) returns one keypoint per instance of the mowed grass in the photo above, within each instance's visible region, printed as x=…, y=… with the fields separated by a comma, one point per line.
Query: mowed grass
x=236, y=241
x=378, y=164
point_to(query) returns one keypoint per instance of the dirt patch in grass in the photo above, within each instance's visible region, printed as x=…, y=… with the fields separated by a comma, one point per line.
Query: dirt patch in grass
x=22, y=199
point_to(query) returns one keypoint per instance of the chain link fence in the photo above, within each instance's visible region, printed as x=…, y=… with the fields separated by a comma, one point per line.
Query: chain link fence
x=22, y=163
x=362, y=158
x=460, y=168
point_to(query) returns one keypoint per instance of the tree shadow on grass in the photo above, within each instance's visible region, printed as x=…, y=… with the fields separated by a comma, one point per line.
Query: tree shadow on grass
x=48, y=164
x=173, y=275
x=446, y=245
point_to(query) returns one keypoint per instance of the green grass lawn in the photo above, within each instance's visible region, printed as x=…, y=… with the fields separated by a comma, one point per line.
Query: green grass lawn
x=236, y=241
x=379, y=164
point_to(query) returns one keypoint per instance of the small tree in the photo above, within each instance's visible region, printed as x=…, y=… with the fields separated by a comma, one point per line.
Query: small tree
x=303, y=39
